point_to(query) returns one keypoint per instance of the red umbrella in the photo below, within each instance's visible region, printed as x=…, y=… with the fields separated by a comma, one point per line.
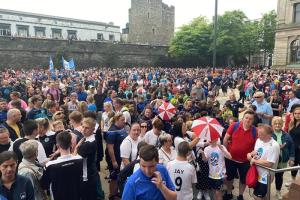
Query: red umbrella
x=166, y=111
x=207, y=128
x=141, y=91
x=286, y=87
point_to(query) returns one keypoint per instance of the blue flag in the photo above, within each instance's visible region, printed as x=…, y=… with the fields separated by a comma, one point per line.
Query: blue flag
x=68, y=65
x=51, y=66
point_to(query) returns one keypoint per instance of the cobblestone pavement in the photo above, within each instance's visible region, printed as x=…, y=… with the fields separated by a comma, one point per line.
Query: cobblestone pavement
x=248, y=193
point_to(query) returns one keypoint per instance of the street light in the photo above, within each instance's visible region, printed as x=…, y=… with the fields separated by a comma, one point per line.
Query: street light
x=215, y=36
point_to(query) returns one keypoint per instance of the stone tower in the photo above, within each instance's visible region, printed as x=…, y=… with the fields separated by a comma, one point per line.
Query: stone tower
x=151, y=22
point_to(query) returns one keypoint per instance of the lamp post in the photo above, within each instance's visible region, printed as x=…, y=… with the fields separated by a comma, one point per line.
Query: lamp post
x=215, y=36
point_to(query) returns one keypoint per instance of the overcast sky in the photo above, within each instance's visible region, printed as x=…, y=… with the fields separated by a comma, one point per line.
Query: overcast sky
x=116, y=11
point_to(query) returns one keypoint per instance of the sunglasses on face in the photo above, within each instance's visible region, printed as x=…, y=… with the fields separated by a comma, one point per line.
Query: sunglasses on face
x=258, y=97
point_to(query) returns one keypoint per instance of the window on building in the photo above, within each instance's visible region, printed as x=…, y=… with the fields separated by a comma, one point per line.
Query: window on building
x=40, y=32
x=56, y=33
x=148, y=15
x=72, y=35
x=100, y=36
x=153, y=31
x=297, y=13
x=5, y=30
x=23, y=31
x=295, y=51
x=148, y=1
x=112, y=37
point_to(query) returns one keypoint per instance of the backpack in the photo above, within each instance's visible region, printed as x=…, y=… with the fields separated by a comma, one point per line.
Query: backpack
x=125, y=173
x=252, y=177
x=253, y=131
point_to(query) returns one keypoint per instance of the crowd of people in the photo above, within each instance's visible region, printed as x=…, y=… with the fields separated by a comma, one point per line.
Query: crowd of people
x=56, y=129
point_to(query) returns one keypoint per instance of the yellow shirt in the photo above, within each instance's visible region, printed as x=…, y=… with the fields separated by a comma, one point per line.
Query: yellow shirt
x=16, y=129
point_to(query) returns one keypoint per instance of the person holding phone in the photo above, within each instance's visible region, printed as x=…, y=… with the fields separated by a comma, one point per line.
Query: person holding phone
x=151, y=181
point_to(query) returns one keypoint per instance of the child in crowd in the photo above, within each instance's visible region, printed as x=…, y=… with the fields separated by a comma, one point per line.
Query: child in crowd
x=215, y=154
x=182, y=173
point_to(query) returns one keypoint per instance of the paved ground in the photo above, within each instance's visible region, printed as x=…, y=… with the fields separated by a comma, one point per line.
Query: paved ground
x=247, y=194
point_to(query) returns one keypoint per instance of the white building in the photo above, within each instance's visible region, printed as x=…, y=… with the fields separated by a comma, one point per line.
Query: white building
x=23, y=24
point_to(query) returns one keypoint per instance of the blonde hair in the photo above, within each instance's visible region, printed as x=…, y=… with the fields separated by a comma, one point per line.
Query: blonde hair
x=90, y=121
x=90, y=99
x=115, y=118
x=57, y=113
x=107, y=104
x=44, y=122
x=277, y=119
x=82, y=106
x=293, y=122
x=57, y=122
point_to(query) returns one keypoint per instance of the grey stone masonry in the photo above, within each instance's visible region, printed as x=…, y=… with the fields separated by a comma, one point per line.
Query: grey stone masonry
x=151, y=22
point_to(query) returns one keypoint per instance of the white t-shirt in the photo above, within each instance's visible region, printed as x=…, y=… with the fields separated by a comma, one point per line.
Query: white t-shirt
x=178, y=140
x=41, y=157
x=105, y=120
x=216, y=162
x=268, y=151
x=72, y=106
x=151, y=138
x=128, y=147
x=164, y=157
x=183, y=175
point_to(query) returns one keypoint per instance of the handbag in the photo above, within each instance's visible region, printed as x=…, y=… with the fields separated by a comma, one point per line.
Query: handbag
x=252, y=177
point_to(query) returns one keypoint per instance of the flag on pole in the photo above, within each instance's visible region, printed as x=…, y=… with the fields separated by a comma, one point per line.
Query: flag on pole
x=68, y=65
x=51, y=66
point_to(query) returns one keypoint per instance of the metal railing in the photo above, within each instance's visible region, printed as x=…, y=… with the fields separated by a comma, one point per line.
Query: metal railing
x=270, y=170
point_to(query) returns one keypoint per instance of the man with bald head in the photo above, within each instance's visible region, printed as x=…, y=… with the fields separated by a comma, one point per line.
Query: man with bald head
x=13, y=124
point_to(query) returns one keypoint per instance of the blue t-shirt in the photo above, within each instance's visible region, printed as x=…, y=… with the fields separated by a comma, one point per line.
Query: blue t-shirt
x=92, y=107
x=116, y=136
x=81, y=96
x=139, y=186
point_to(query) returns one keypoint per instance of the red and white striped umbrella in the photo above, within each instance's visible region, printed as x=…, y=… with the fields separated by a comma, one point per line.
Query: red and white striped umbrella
x=141, y=91
x=166, y=111
x=286, y=87
x=207, y=128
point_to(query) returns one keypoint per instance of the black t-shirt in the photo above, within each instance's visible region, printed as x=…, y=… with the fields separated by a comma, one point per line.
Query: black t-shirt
x=99, y=100
x=65, y=176
x=275, y=105
x=235, y=105
x=88, y=151
x=16, y=148
x=49, y=143
x=295, y=134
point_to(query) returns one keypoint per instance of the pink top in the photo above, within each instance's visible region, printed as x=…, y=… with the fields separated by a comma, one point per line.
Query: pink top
x=23, y=104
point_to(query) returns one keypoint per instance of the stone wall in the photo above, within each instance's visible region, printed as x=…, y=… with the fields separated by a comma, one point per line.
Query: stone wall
x=287, y=31
x=27, y=53
x=151, y=22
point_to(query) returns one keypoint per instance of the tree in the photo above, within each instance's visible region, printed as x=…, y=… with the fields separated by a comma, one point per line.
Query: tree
x=267, y=32
x=237, y=40
x=231, y=27
x=192, y=42
x=61, y=52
